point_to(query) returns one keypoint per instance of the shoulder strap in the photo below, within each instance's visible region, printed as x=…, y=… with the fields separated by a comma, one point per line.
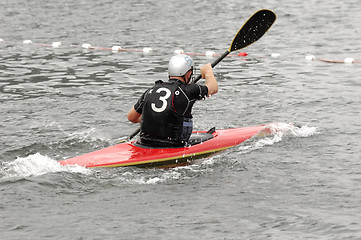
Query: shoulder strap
x=158, y=82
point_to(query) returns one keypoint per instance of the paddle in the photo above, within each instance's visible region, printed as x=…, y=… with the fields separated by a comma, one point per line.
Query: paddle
x=255, y=27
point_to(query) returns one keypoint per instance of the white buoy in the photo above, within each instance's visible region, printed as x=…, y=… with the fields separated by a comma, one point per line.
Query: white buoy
x=27, y=42
x=178, y=51
x=56, y=44
x=310, y=58
x=86, y=46
x=210, y=53
x=275, y=55
x=116, y=48
x=349, y=60
x=147, y=50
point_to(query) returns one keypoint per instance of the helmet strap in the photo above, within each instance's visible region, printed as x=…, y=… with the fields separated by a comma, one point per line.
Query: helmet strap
x=190, y=77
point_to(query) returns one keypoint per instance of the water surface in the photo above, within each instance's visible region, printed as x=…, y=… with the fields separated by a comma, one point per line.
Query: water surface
x=302, y=183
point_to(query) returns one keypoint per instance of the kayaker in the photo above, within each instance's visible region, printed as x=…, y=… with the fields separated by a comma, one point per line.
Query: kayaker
x=164, y=110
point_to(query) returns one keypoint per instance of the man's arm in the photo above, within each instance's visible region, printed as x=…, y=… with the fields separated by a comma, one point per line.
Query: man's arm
x=134, y=116
x=211, y=82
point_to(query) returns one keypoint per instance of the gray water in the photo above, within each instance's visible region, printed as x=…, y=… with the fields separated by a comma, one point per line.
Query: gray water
x=301, y=183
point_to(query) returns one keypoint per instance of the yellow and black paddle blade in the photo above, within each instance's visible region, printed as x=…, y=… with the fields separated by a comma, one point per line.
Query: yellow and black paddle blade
x=255, y=27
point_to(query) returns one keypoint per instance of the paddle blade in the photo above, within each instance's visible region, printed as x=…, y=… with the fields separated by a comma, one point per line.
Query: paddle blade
x=256, y=26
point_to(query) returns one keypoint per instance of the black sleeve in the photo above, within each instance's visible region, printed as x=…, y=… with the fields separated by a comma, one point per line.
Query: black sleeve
x=203, y=91
x=197, y=92
x=140, y=103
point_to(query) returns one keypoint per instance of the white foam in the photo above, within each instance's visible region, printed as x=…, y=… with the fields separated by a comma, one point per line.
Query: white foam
x=290, y=128
x=275, y=132
x=35, y=165
x=167, y=175
x=87, y=135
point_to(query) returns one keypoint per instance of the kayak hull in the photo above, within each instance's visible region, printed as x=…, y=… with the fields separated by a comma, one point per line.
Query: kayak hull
x=131, y=154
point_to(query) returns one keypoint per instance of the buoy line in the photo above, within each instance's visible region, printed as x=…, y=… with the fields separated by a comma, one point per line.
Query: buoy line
x=313, y=58
x=346, y=60
x=90, y=47
x=177, y=51
x=118, y=48
x=209, y=53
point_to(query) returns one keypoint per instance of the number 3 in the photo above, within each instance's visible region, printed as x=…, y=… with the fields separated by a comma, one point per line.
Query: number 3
x=163, y=99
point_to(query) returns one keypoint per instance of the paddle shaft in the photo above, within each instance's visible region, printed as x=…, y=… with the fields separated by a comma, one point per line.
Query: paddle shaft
x=218, y=60
x=134, y=134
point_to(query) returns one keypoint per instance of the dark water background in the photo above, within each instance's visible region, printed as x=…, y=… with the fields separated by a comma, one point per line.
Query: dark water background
x=303, y=183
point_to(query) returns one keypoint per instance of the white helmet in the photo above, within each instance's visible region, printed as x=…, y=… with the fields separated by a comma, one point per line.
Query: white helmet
x=179, y=65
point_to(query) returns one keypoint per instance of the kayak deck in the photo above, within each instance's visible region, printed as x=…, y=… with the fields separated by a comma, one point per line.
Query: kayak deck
x=131, y=154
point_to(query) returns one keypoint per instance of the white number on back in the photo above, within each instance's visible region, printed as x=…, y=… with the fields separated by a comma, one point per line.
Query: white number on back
x=163, y=99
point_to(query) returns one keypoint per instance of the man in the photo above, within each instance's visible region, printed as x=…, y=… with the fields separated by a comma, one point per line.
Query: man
x=165, y=109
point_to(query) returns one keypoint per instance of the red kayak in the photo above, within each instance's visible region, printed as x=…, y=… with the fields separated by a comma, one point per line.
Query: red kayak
x=203, y=143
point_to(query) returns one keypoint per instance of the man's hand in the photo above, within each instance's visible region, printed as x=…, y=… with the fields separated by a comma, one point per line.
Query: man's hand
x=206, y=69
